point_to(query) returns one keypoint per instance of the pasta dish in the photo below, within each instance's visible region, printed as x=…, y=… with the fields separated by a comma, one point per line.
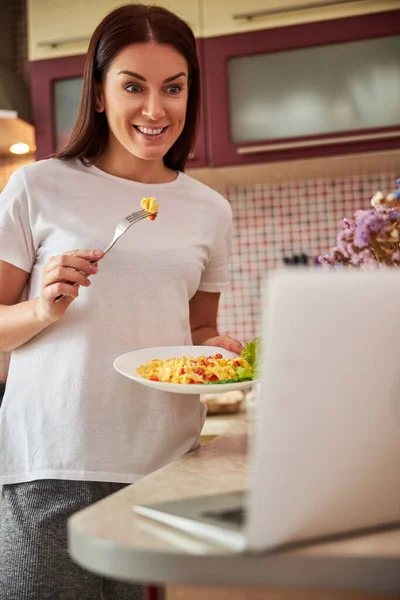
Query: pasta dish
x=200, y=369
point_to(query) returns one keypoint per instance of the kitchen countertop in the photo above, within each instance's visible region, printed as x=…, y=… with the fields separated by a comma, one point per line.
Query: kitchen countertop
x=216, y=425
x=109, y=539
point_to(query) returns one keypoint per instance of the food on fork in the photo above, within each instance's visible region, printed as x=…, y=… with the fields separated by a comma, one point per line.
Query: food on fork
x=201, y=369
x=150, y=205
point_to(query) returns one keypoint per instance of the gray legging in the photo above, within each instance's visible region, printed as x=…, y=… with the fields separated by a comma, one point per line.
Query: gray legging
x=34, y=561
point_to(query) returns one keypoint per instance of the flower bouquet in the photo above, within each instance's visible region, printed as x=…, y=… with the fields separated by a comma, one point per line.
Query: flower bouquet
x=372, y=239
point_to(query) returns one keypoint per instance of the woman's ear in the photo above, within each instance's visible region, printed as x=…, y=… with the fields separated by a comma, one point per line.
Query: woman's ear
x=99, y=98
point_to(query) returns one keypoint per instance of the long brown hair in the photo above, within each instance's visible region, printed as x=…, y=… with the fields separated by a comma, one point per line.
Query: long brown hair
x=130, y=24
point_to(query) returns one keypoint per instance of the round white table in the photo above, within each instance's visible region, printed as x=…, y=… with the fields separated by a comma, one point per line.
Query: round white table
x=107, y=538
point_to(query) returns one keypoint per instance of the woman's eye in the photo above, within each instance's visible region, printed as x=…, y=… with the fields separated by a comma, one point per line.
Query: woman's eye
x=133, y=88
x=173, y=90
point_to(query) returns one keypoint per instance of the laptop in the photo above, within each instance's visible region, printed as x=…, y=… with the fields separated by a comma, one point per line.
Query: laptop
x=325, y=453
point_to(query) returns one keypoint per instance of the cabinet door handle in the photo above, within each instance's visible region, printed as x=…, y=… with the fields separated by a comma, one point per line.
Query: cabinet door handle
x=366, y=137
x=65, y=42
x=257, y=14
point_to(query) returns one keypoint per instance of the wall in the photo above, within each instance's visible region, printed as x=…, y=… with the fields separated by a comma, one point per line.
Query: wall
x=272, y=221
x=13, y=36
x=20, y=39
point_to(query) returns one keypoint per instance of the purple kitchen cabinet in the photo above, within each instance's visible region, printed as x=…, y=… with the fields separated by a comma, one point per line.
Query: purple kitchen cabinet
x=304, y=91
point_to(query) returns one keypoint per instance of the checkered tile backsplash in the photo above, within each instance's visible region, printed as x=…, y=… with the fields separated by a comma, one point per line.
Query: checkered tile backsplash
x=274, y=221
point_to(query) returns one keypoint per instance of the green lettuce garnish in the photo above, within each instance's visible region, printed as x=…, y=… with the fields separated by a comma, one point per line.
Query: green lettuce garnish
x=227, y=381
x=251, y=353
x=244, y=373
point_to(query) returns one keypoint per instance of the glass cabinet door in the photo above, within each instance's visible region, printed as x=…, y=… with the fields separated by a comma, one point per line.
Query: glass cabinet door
x=55, y=89
x=302, y=91
x=67, y=94
x=320, y=90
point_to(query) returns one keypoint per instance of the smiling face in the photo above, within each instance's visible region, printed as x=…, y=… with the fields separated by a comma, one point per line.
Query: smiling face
x=144, y=96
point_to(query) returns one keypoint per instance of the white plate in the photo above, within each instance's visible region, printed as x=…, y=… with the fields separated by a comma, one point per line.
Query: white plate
x=126, y=364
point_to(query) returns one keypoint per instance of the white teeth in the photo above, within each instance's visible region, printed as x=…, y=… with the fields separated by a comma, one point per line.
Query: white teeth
x=148, y=131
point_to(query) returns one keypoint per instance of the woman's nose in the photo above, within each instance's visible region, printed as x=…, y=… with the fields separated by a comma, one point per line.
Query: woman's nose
x=153, y=107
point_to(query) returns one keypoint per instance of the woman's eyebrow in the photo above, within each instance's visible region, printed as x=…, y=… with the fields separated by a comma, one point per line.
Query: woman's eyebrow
x=182, y=74
x=132, y=74
x=141, y=78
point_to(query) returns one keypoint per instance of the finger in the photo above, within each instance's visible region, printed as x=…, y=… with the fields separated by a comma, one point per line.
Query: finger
x=70, y=261
x=66, y=274
x=60, y=288
x=230, y=344
x=237, y=347
x=87, y=254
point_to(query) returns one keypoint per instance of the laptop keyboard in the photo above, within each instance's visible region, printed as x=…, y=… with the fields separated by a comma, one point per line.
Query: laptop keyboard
x=232, y=515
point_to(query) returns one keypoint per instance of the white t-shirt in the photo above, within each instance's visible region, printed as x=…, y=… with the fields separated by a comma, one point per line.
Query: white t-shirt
x=66, y=413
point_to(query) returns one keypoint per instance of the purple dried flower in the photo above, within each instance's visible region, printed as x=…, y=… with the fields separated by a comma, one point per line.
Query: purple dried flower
x=343, y=242
x=365, y=257
x=393, y=214
x=368, y=221
x=371, y=241
x=348, y=224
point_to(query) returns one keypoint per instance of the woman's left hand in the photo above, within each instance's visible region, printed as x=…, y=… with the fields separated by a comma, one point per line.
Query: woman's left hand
x=224, y=341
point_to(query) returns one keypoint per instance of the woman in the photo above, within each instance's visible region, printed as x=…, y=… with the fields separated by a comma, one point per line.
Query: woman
x=72, y=430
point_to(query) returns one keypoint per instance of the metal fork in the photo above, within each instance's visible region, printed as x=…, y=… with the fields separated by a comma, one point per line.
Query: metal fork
x=121, y=228
x=124, y=225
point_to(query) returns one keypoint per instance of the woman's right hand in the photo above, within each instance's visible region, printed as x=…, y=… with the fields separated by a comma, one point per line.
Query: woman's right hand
x=63, y=275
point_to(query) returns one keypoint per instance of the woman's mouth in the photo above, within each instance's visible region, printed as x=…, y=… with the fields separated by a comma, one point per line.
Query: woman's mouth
x=150, y=133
